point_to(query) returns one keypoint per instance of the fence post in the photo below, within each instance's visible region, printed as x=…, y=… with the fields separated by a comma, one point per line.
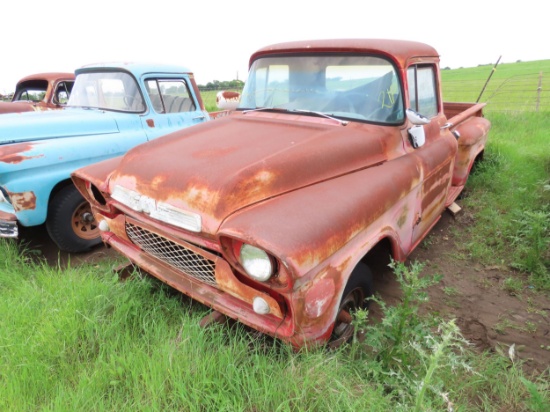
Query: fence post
x=539, y=91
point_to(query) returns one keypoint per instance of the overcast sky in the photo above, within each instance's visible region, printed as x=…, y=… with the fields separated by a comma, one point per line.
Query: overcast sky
x=215, y=38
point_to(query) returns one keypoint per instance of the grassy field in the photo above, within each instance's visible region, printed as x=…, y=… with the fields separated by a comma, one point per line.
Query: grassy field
x=79, y=339
x=515, y=87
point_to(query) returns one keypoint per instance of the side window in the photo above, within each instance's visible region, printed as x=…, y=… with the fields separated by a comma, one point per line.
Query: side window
x=154, y=95
x=170, y=95
x=422, y=90
x=62, y=92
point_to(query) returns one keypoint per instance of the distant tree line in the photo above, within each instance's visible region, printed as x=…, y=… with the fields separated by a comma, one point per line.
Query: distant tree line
x=217, y=85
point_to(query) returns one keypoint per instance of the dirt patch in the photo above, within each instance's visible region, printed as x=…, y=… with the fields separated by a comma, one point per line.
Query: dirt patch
x=491, y=316
x=40, y=247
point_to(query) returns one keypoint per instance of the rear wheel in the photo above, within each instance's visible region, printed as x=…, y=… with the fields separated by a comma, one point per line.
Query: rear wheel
x=356, y=293
x=70, y=223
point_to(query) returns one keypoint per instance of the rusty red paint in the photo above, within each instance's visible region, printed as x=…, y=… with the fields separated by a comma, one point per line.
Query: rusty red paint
x=314, y=194
x=399, y=51
x=23, y=201
x=7, y=216
x=48, y=82
x=13, y=153
x=151, y=122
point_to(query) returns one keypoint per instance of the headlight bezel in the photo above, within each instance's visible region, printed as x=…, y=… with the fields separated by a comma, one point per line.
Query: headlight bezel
x=4, y=196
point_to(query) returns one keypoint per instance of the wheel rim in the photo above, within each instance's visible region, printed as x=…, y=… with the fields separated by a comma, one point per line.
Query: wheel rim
x=83, y=222
x=343, y=327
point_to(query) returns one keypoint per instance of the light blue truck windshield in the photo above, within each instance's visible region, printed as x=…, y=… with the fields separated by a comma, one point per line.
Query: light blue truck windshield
x=108, y=91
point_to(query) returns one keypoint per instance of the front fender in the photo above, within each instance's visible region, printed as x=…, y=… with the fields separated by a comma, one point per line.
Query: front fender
x=320, y=233
x=335, y=220
x=30, y=171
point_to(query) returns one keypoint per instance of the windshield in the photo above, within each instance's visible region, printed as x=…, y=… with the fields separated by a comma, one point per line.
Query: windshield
x=354, y=87
x=107, y=90
x=32, y=91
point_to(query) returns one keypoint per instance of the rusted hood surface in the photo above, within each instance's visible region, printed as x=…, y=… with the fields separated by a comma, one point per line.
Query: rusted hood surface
x=219, y=167
x=15, y=107
x=25, y=127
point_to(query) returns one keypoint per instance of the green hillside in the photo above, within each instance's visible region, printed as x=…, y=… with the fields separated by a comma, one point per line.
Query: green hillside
x=513, y=86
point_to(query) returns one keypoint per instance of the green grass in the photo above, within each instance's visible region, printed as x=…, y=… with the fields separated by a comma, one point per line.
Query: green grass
x=209, y=100
x=79, y=339
x=509, y=196
x=512, y=86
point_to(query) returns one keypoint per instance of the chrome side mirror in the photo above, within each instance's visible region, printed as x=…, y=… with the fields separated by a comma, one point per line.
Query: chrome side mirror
x=416, y=133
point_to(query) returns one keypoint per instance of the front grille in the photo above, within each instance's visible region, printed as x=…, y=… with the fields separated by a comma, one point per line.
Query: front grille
x=177, y=256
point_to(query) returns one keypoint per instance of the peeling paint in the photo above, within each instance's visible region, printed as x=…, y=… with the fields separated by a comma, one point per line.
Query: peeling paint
x=13, y=153
x=23, y=201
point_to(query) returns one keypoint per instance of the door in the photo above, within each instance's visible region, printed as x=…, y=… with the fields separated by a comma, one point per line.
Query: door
x=436, y=156
x=172, y=106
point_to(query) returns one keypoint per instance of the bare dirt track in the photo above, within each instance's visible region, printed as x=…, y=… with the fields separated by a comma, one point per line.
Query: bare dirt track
x=490, y=317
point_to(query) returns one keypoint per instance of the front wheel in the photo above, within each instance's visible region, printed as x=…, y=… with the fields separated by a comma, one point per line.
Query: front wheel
x=355, y=296
x=70, y=223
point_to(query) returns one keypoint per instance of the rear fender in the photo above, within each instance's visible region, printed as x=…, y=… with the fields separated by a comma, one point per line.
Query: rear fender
x=471, y=142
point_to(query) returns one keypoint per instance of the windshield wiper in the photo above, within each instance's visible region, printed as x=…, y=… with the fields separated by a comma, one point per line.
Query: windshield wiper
x=259, y=109
x=278, y=109
x=321, y=114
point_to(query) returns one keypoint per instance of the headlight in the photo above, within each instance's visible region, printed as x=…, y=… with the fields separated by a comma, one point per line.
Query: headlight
x=256, y=263
x=4, y=196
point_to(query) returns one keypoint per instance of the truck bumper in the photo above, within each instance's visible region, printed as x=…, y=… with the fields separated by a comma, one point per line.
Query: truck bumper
x=8, y=225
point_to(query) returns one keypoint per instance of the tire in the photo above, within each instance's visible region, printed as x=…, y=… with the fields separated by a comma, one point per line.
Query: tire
x=70, y=222
x=355, y=296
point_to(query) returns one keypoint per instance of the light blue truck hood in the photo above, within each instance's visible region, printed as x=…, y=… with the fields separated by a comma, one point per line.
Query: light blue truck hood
x=32, y=126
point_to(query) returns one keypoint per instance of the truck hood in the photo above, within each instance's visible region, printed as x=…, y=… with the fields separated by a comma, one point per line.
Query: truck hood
x=15, y=107
x=219, y=167
x=33, y=126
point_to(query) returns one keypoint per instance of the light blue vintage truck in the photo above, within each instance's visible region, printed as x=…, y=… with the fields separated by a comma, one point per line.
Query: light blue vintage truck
x=112, y=108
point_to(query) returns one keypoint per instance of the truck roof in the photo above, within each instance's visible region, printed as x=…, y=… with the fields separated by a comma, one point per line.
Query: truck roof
x=48, y=76
x=136, y=68
x=399, y=50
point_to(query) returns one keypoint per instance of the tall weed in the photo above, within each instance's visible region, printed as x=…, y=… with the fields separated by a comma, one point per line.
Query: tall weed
x=424, y=363
x=410, y=354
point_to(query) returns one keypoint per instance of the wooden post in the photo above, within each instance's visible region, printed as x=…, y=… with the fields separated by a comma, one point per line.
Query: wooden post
x=539, y=91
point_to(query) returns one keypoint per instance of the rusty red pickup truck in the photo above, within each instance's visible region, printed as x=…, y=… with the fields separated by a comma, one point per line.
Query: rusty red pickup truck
x=338, y=149
x=41, y=91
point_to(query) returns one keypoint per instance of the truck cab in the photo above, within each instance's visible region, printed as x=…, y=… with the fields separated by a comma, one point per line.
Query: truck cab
x=111, y=108
x=42, y=91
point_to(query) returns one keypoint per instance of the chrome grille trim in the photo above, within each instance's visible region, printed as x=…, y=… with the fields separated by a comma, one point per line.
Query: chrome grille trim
x=177, y=256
